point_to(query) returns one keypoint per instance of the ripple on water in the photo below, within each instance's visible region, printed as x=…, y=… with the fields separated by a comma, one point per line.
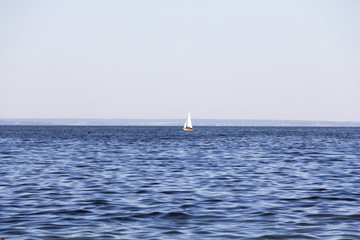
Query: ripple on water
x=162, y=183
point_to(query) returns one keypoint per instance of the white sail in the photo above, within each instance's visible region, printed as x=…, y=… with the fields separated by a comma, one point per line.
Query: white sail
x=188, y=121
x=185, y=124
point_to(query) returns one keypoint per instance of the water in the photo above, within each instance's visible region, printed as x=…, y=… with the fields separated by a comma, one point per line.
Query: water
x=164, y=183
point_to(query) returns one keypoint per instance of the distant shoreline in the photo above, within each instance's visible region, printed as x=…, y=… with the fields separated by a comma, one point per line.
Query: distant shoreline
x=173, y=122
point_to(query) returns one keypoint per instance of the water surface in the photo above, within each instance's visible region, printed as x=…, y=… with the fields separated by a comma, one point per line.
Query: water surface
x=164, y=183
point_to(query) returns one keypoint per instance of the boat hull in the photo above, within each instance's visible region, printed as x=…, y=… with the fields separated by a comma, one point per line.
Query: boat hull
x=188, y=129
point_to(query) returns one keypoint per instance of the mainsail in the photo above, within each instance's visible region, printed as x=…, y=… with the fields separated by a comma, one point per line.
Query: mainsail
x=188, y=123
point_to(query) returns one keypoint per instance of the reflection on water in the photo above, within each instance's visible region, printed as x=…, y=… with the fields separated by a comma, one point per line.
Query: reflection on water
x=164, y=183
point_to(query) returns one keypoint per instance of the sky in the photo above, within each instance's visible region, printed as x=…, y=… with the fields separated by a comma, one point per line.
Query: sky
x=228, y=59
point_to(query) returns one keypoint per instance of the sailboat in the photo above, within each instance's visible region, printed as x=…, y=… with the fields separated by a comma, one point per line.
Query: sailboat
x=188, y=125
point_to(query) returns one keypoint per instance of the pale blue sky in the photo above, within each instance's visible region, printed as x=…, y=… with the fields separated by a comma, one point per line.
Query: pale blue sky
x=291, y=60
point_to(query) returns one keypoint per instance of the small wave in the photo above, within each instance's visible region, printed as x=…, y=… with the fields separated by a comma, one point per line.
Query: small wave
x=213, y=200
x=341, y=199
x=203, y=232
x=355, y=217
x=73, y=212
x=311, y=198
x=165, y=138
x=123, y=219
x=81, y=166
x=320, y=215
x=14, y=232
x=54, y=237
x=5, y=152
x=176, y=215
x=7, y=156
x=319, y=189
x=175, y=192
x=109, y=192
x=185, y=206
x=97, y=202
x=141, y=191
x=266, y=214
x=289, y=199
x=172, y=232
x=50, y=226
x=285, y=236
x=146, y=215
x=320, y=198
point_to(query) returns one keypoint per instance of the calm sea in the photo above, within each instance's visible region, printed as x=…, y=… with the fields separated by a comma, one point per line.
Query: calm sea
x=164, y=183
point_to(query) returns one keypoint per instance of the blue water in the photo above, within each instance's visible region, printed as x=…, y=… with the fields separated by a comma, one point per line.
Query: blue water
x=165, y=183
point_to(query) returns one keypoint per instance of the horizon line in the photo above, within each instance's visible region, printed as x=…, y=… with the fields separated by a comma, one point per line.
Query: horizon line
x=152, y=119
